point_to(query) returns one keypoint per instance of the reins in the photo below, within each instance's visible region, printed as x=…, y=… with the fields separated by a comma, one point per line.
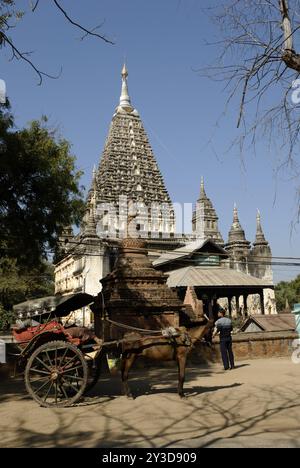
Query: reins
x=128, y=327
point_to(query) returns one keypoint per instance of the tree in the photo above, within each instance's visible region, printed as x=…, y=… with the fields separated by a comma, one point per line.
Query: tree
x=259, y=62
x=18, y=284
x=287, y=291
x=39, y=196
x=9, y=17
x=39, y=190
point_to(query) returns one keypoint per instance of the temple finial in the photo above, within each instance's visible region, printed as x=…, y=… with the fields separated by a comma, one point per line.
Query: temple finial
x=124, y=98
x=235, y=213
x=258, y=217
x=124, y=71
x=202, y=189
x=260, y=237
x=258, y=223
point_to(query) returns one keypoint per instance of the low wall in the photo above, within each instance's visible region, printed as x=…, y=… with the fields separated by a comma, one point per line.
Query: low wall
x=245, y=346
x=248, y=346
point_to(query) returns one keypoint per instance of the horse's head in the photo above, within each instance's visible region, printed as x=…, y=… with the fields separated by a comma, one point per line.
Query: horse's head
x=202, y=332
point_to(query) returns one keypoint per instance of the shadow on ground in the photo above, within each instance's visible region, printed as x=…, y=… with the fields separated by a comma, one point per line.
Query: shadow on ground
x=211, y=415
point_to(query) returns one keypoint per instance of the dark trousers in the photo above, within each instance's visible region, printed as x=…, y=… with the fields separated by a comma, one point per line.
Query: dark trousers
x=226, y=353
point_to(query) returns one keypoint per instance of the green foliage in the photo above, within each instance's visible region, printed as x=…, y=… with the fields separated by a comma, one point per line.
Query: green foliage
x=39, y=190
x=18, y=284
x=8, y=17
x=6, y=319
x=287, y=291
x=39, y=196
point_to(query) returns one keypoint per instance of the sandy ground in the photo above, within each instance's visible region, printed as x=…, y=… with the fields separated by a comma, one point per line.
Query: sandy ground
x=257, y=404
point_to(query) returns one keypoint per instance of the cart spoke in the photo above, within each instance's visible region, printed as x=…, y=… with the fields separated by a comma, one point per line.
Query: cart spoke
x=72, y=359
x=46, y=396
x=39, y=371
x=74, y=377
x=37, y=379
x=63, y=357
x=42, y=386
x=43, y=363
x=71, y=385
x=71, y=369
x=64, y=392
x=50, y=362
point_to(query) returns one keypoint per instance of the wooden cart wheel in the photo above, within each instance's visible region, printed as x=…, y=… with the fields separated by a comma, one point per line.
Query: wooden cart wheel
x=56, y=374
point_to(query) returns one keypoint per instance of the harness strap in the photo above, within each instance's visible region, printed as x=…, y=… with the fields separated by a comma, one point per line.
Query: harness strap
x=128, y=327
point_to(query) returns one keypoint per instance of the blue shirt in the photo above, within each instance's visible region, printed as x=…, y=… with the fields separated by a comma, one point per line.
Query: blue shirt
x=224, y=327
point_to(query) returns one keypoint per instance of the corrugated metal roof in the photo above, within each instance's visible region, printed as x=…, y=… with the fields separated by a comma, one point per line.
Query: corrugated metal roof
x=213, y=276
x=269, y=323
x=186, y=251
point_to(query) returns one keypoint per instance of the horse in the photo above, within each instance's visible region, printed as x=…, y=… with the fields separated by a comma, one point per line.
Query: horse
x=161, y=348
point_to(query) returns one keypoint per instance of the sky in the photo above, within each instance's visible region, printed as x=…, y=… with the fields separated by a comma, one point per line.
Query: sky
x=164, y=43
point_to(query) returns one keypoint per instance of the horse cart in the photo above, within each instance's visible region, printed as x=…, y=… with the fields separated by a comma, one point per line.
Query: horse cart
x=60, y=362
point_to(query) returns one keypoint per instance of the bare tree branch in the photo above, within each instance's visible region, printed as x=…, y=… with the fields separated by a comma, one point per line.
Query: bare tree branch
x=258, y=62
x=87, y=31
x=16, y=53
x=8, y=14
x=34, y=6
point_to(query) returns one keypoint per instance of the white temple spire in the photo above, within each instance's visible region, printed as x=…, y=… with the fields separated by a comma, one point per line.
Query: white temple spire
x=124, y=98
x=258, y=220
x=260, y=237
x=236, y=228
x=235, y=214
x=94, y=173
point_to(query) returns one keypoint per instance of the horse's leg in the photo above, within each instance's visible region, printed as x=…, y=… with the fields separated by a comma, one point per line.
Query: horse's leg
x=126, y=364
x=181, y=363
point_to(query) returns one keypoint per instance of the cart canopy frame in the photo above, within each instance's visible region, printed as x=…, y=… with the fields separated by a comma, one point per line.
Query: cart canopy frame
x=55, y=306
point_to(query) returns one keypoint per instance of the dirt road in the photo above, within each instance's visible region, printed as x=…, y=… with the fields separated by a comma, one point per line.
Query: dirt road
x=257, y=404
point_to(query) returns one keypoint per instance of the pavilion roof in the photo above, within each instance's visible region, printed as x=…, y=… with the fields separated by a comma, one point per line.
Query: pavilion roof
x=214, y=277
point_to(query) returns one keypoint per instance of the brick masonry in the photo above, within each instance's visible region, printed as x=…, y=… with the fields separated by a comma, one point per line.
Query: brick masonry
x=248, y=346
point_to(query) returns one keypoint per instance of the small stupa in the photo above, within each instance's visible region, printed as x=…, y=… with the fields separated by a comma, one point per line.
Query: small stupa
x=135, y=293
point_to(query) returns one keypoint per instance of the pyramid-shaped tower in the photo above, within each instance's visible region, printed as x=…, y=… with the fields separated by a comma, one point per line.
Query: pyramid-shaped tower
x=238, y=246
x=128, y=178
x=261, y=254
x=205, y=219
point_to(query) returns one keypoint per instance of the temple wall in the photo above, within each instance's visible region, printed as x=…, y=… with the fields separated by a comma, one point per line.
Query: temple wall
x=248, y=346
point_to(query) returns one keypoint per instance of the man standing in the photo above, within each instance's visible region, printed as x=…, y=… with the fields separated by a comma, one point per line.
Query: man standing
x=224, y=328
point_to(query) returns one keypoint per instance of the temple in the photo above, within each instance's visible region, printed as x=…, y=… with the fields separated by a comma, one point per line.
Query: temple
x=128, y=178
x=128, y=181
